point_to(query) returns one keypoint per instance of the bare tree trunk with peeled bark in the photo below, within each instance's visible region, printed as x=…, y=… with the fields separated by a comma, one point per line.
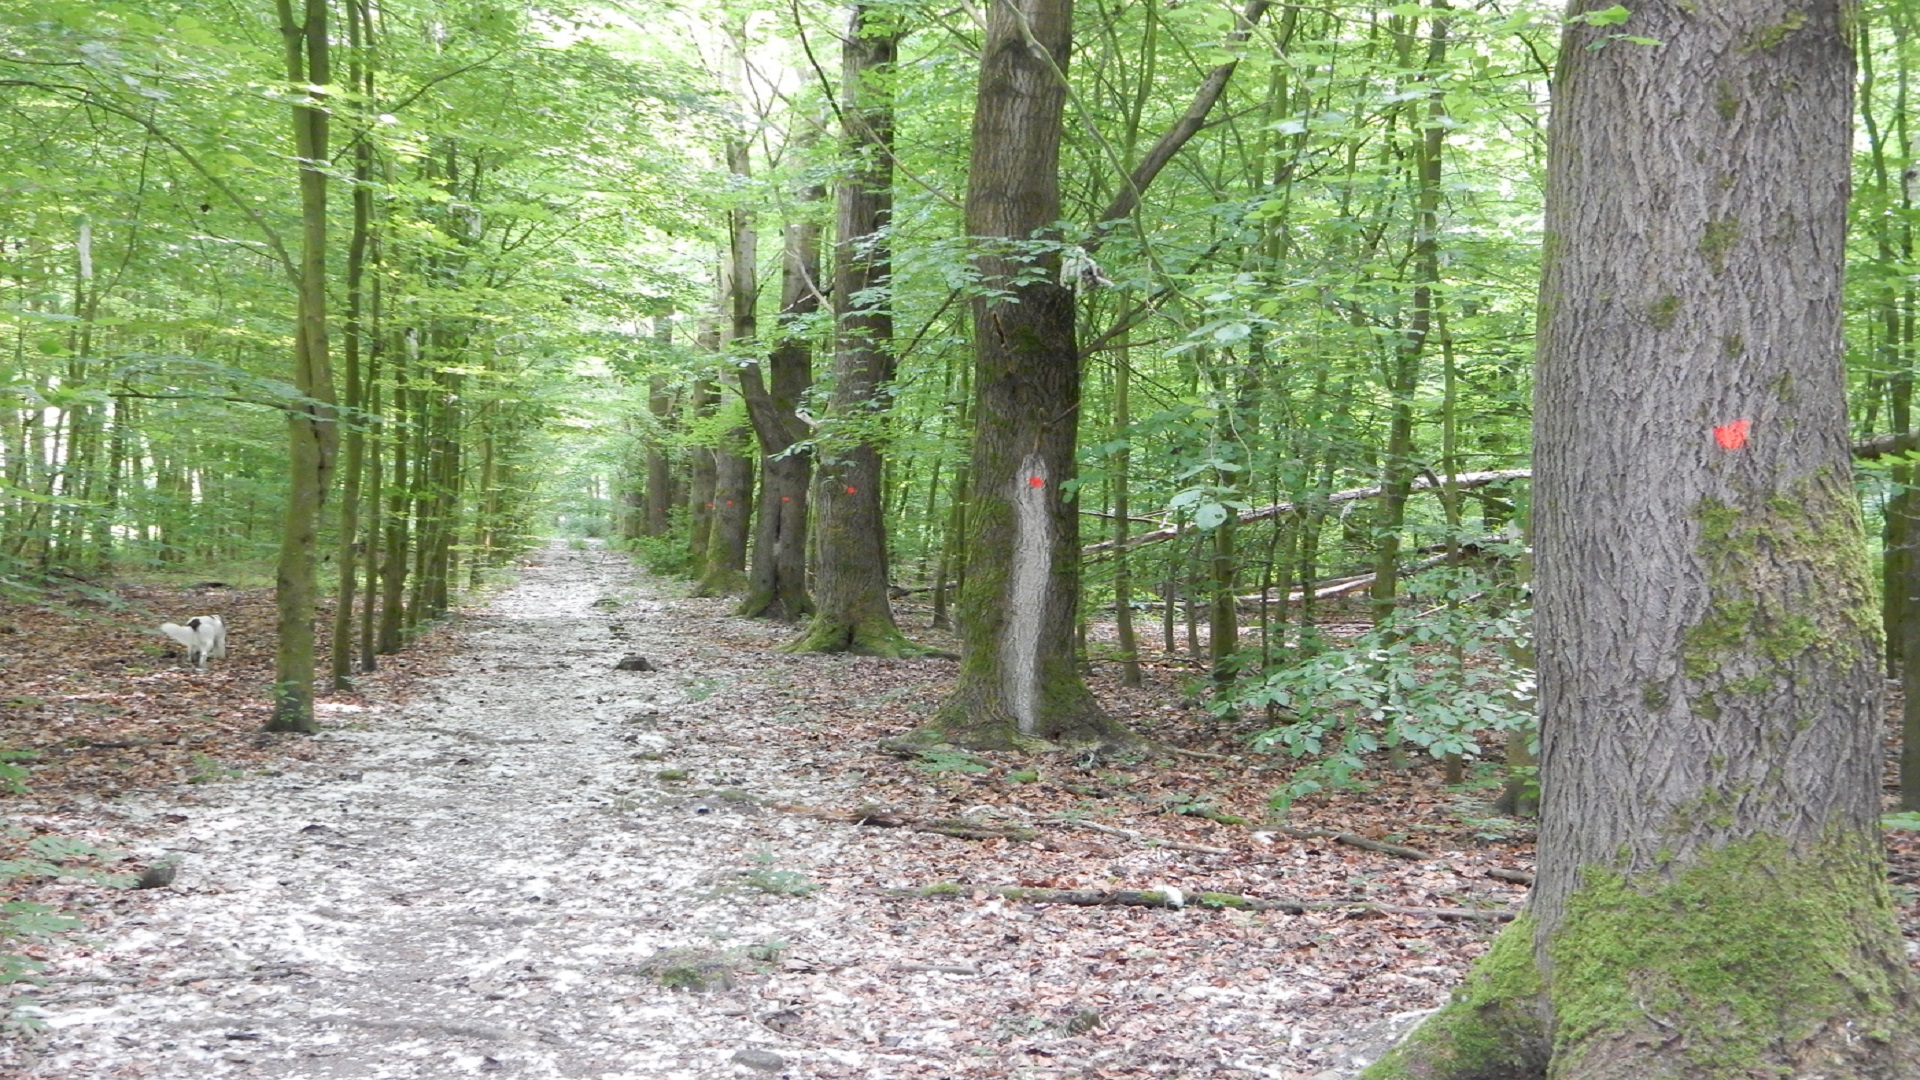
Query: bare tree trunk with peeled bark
x=1711, y=899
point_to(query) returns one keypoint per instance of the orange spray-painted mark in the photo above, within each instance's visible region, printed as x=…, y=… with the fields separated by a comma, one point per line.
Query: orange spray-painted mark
x=1034, y=481
x=1732, y=436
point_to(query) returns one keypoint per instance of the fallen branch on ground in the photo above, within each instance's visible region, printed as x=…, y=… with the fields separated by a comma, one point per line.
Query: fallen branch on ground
x=959, y=828
x=1360, y=842
x=1174, y=899
x=1138, y=838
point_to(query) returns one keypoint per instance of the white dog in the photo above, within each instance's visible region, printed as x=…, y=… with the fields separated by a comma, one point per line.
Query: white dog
x=204, y=636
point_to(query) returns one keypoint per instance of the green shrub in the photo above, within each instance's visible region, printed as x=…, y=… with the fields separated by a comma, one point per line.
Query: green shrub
x=1435, y=677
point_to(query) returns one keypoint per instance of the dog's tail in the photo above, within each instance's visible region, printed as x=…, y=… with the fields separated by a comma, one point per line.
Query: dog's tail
x=185, y=635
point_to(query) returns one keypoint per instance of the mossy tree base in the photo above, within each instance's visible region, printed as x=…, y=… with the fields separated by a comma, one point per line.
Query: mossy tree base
x=1755, y=964
x=767, y=604
x=875, y=636
x=293, y=711
x=976, y=716
x=720, y=583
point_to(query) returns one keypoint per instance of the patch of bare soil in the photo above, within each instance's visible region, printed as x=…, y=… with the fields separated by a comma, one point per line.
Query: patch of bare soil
x=535, y=864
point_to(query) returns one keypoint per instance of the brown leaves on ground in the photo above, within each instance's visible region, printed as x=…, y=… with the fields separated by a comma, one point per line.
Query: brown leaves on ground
x=107, y=704
x=110, y=707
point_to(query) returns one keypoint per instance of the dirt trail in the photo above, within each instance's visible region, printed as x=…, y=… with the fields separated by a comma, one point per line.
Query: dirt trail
x=519, y=872
x=477, y=883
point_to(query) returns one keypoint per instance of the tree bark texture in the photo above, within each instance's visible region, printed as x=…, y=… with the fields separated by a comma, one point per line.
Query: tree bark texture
x=702, y=477
x=1711, y=898
x=1019, y=681
x=852, y=613
x=777, y=579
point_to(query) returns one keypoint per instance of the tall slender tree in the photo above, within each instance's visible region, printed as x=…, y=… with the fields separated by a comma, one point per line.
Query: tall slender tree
x=313, y=432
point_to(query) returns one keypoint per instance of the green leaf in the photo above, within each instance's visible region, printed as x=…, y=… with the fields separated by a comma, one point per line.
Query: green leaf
x=1612, y=16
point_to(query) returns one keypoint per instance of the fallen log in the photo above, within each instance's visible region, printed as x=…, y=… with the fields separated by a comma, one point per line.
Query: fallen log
x=1176, y=899
x=1261, y=513
x=1868, y=449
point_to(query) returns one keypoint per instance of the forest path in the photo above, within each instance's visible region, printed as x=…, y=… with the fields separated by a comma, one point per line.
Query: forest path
x=484, y=880
x=539, y=866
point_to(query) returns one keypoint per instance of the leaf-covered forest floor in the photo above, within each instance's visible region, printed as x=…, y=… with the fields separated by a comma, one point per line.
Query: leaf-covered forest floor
x=504, y=856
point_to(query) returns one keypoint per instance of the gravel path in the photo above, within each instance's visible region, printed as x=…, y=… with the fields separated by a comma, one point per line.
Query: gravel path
x=541, y=866
x=490, y=880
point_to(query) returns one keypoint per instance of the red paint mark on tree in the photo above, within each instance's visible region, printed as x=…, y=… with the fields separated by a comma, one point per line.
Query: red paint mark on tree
x=729, y=502
x=1732, y=436
x=1034, y=481
x=786, y=498
x=850, y=490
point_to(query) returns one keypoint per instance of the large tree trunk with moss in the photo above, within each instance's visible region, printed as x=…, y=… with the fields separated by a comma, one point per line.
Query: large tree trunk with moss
x=1019, y=681
x=777, y=580
x=852, y=613
x=312, y=432
x=1711, y=900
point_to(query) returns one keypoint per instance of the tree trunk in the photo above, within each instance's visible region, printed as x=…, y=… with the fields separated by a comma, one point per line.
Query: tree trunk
x=353, y=467
x=725, y=566
x=396, y=546
x=1711, y=899
x=777, y=585
x=659, y=470
x=852, y=613
x=311, y=428
x=1122, y=467
x=1019, y=684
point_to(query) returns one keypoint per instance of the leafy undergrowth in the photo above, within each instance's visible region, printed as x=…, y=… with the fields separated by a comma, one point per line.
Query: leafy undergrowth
x=710, y=865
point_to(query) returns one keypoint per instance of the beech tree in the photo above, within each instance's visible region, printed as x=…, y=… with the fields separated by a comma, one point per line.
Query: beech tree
x=1019, y=680
x=777, y=582
x=852, y=612
x=1711, y=898
x=311, y=426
